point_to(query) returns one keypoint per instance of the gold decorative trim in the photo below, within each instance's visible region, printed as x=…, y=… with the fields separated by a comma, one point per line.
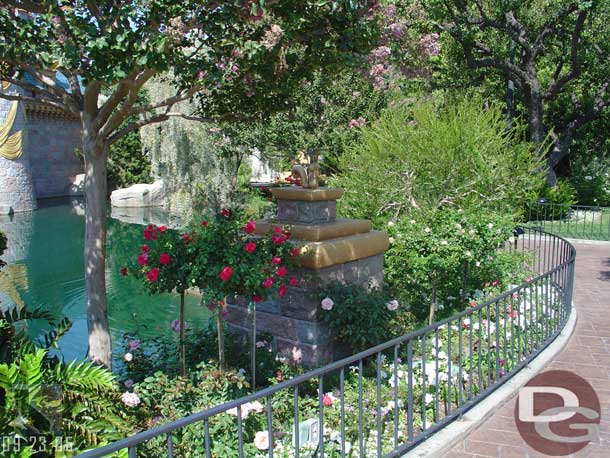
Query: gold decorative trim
x=317, y=233
x=307, y=195
x=317, y=255
x=5, y=85
x=10, y=146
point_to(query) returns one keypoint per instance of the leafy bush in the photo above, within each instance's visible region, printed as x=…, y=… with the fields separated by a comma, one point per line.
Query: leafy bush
x=591, y=180
x=128, y=163
x=436, y=259
x=435, y=152
x=557, y=200
x=359, y=318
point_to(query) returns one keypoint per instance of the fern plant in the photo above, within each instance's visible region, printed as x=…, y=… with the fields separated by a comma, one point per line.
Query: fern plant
x=45, y=398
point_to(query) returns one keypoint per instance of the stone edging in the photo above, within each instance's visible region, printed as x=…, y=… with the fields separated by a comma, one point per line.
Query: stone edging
x=442, y=441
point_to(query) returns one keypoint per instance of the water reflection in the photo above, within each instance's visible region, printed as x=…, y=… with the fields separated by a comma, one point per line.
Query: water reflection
x=46, y=269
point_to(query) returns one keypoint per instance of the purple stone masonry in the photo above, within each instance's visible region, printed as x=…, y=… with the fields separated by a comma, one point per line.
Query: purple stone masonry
x=294, y=211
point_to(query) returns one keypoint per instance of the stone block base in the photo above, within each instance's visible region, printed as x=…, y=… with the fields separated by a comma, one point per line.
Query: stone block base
x=295, y=320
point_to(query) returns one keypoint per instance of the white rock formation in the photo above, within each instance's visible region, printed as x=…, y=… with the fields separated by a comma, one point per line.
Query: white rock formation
x=140, y=195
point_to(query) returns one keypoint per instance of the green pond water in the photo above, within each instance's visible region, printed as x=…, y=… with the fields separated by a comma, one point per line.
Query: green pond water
x=46, y=269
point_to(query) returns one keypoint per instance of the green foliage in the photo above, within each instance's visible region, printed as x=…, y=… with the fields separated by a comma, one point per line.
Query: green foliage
x=437, y=259
x=127, y=162
x=437, y=152
x=361, y=318
x=319, y=116
x=67, y=406
x=558, y=198
x=591, y=180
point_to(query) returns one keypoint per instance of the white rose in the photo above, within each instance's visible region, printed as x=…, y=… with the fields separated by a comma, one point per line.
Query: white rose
x=392, y=305
x=327, y=303
x=261, y=440
x=130, y=399
x=128, y=357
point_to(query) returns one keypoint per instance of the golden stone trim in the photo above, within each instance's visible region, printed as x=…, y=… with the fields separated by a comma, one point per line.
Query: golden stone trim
x=318, y=232
x=10, y=146
x=307, y=195
x=317, y=255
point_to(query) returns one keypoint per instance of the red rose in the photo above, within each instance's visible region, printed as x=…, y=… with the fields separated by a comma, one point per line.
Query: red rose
x=224, y=212
x=293, y=281
x=185, y=236
x=226, y=274
x=143, y=259
x=276, y=260
x=162, y=228
x=268, y=282
x=277, y=229
x=294, y=252
x=124, y=271
x=278, y=239
x=147, y=233
x=153, y=274
x=164, y=259
x=250, y=247
x=281, y=290
x=249, y=227
x=282, y=271
x=256, y=298
x=144, y=248
x=204, y=223
x=278, y=375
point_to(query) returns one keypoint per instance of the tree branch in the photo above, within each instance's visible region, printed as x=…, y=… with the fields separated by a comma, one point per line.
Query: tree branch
x=118, y=116
x=557, y=85
x=159, y=117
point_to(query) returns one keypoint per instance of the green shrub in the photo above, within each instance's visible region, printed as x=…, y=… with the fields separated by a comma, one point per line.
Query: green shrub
x=557, y=199
x=437, y=259
x=591, y=180
x=128, y=163
x=359, y=318
x=436, y=152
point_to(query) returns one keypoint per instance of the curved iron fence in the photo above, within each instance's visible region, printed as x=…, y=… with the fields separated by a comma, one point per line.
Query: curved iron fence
x=414, y=386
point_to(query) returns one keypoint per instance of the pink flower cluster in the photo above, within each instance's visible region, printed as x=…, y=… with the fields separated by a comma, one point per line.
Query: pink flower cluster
x=357, y=122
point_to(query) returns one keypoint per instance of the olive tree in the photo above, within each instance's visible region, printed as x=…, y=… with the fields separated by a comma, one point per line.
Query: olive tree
x=237, y=57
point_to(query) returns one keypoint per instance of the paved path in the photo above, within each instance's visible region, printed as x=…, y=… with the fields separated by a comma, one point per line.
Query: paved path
x=587, y=353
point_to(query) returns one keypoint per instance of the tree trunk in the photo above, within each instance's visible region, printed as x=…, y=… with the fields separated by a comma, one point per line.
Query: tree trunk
x=182, y=343
x=95, y=245
x=221, y=342
x=537, y=130
x=432, y=304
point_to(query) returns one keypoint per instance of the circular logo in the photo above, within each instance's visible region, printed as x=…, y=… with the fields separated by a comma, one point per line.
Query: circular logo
x=558, y=413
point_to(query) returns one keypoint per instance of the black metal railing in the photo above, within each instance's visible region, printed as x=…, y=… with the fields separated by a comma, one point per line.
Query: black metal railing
x=399, y=392
x=571, y=221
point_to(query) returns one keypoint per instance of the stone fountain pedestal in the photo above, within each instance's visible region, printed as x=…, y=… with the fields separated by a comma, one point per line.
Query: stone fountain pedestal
x=331, y=249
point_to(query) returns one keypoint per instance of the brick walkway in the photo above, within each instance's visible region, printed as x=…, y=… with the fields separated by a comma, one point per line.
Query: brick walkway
x=587, y=354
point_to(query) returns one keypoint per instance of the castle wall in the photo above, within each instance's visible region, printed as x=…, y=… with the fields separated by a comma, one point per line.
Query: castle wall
x=52, y=142
x=16, y=186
